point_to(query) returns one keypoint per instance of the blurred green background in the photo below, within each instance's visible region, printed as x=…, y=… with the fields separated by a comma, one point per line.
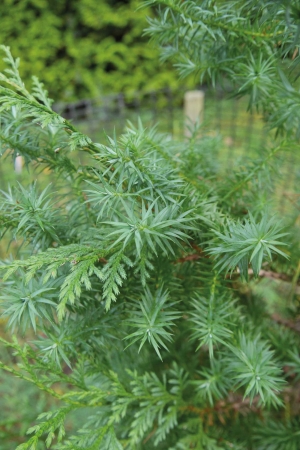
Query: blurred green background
x=84, y=48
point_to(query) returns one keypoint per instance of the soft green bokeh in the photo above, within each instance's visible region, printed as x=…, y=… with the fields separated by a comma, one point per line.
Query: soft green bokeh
x=84, y=48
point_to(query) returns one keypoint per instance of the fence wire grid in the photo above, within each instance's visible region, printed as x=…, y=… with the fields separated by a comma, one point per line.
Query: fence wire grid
x=243, y=135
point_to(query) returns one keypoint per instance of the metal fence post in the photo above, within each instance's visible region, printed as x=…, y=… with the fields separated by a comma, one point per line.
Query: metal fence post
x=193, y=110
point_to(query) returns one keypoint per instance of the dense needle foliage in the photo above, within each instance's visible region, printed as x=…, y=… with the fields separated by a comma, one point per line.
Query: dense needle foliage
x=140, y=275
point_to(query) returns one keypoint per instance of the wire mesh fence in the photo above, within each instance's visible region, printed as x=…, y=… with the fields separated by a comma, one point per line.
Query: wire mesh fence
x=224, y=115
x=242, y=135
x=112, y=112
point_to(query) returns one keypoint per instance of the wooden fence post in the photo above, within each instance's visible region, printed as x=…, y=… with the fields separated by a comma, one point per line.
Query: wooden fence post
x=193, y=109
x=19, y=164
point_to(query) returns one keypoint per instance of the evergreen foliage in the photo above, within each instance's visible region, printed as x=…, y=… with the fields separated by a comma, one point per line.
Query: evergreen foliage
x=140, y=277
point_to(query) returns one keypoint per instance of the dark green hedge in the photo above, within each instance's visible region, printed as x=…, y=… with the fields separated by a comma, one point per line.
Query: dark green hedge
x=83, y=48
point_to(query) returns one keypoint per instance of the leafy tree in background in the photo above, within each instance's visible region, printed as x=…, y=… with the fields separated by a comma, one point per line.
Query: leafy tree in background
x=85, y=48
x=137, y=274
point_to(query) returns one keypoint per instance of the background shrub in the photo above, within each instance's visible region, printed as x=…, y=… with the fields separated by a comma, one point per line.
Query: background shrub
x=83, y=48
